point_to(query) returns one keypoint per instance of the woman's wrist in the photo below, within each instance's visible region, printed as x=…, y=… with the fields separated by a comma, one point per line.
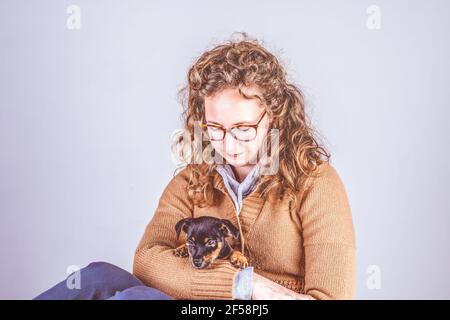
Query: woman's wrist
x=265, y=289
x=243, y=284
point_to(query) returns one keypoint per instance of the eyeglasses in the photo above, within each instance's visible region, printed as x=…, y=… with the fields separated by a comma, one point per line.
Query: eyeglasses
x=241, y=132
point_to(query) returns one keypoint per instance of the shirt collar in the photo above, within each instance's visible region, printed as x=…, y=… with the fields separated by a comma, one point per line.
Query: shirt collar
x=229, y=177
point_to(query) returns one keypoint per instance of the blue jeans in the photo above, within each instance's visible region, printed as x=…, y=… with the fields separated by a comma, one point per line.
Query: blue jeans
x=104, y=281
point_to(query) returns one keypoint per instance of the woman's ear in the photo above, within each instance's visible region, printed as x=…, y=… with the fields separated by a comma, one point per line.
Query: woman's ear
x=228, y=229
x=182, y=225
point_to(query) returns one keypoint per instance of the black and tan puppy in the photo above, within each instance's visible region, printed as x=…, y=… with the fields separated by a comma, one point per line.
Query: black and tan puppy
x=206, y=241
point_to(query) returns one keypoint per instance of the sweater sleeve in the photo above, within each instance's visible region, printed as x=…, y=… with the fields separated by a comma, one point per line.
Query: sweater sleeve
x=329, y=239
x=156, y=266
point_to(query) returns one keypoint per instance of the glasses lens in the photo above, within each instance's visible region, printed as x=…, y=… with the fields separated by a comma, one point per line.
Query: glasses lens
x=215, y=133
x=244, y=133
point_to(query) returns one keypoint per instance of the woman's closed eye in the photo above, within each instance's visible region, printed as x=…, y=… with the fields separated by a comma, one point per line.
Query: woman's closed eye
x=243, y=129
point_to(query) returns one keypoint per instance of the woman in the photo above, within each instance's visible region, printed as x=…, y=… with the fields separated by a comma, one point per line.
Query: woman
x=290, y=205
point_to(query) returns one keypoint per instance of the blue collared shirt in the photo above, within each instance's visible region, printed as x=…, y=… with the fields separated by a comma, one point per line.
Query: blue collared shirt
x=238, y=190
x=243, y=282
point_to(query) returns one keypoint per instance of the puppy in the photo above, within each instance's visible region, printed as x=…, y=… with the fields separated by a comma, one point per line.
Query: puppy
x=206, y=241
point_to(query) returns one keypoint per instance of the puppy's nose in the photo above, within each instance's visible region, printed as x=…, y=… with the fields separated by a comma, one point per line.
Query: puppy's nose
x=197, y=262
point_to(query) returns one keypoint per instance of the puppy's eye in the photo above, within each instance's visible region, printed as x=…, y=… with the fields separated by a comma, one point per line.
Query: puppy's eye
x=211, y=243
x=189, y=243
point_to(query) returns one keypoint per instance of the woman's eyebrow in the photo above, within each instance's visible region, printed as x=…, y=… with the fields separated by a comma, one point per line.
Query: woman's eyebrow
x=240, y=122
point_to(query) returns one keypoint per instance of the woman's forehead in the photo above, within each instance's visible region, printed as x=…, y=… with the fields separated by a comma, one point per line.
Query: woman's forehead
x=228, y=107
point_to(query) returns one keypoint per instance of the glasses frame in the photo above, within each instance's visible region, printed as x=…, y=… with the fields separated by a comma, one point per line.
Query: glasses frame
x=225, y=131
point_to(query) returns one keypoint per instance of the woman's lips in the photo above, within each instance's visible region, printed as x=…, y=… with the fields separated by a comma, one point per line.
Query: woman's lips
x=235, y=155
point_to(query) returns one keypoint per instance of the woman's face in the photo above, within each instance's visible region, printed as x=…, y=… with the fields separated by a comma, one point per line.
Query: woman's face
x=227, y=108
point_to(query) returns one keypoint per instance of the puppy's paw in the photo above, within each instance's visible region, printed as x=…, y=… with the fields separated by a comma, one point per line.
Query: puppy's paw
x=181, y=251
x=238, y=260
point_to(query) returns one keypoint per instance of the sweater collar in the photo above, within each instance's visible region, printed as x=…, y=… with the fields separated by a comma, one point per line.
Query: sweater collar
x=254, y=198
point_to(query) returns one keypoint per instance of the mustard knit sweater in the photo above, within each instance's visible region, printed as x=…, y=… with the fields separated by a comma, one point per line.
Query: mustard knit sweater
x=311, y=251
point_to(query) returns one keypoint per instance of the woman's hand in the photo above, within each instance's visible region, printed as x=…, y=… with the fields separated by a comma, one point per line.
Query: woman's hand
x=265, y=289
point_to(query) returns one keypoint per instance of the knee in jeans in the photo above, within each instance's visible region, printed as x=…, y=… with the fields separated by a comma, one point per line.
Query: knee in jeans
x=103, y=271
x=104, y=268
x=101, y=265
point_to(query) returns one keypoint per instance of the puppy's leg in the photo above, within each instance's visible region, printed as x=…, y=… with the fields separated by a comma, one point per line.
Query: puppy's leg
x=238, y=260
x=181, y=251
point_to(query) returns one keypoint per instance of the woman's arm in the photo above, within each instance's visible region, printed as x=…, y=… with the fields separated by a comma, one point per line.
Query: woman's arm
x=329, y=244
x=328, y=237
x=155, y=264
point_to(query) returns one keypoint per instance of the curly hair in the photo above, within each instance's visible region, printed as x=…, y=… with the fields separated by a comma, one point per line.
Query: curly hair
x=235, y=64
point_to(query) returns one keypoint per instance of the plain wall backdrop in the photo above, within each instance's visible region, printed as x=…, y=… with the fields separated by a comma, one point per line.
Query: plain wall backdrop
x=86, y=118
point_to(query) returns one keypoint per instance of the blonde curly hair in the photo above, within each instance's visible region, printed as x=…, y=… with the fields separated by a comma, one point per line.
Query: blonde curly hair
x=245, y=62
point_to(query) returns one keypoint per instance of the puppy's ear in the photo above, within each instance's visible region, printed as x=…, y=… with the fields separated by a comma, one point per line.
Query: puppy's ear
x=182, y=224
x=228, y=229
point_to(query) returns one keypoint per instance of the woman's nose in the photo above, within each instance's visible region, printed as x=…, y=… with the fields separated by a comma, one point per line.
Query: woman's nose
x=230, y=144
